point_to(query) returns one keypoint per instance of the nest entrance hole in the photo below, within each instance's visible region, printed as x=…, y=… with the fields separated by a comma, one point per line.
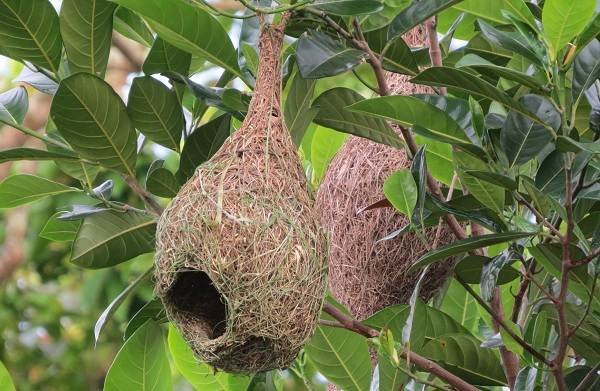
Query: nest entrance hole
x=198, y=301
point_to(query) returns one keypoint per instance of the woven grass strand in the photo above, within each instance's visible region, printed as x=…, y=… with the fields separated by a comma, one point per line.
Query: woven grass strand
x=241, y=260
x=364, y=274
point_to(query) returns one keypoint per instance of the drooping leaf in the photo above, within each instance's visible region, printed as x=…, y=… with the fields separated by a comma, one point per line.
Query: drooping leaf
x=13, y=105
x=409, y=111
x=58, y=230
x=37, y=80
x=109, y=238
x=521, y=138
x=418, y=169
x=189, y=28
x=416, y=13
x=130, y=25
x=6, y=382
x=164, y=57
x=401, y=190
x=469, y=244
x=204, y=142
x=29, y=30
x=586, y=69
x=34, y=154
x=93, y=120
x=462, y=355
x=563, y=20
x=86, y=28
x=200, y=375
x=156, y=112
x=23, y=188
x=332, y=114
x=108, y=312
x=318, y=55
x=490, y=195
x=142, y=363
x=297, y=112
x=349, y=7
x=491, y=270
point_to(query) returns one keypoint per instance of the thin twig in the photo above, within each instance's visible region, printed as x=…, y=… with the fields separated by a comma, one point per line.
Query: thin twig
x=587, y=309
x=146, y=197
x=35, y=134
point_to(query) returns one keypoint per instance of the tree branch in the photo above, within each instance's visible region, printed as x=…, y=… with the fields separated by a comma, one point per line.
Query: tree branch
x=146, y=197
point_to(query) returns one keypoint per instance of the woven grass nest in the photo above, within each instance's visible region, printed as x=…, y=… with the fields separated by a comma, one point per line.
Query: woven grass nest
x=364, y=274
x=241, y=259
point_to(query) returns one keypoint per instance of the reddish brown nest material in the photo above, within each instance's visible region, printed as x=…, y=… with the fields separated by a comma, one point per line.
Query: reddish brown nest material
x=241, y=259
x=365, y=274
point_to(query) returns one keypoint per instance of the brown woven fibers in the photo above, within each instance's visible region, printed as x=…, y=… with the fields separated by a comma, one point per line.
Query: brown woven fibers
x=364, y=274
x=241, y=260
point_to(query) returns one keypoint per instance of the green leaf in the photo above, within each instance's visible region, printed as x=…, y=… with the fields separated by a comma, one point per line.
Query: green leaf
x=489, y=10
x=589, y=33
x=164, y=57
x=29, y=30
x=14, y=104
x=342, y=356
x=142, y=363
x=93, y=120
x=85, y=172
x=511, y=41
x=114, y=305
x=466, y=245
x=586, y=69
x=297, y=112
x=200, y=375
x=162, y=182
x=86, y=28
x=521, y=11
x=397, y=55
x=22, y=189
x=204, y=142
x=493, y=178
x=332, y=114
x=189, y=28
x=509, y=74
x=400, y=188
x=410, y=111
x=15, y=154
x=318, y=55
x=469, y=269
x=156, y=112
x=563, y=20
x=58, y=230
x=461, y=354
x=130, y=25
x=508, y=341
x=349, y=7
x=108, y=238
x=439, y=159
x=324, y=145
x=492, y=196
x=152, y=310
x=521, y=138
x=460, y=305
x=416, y=13
x=6, y=382
x=568, y=144
x=464, y=81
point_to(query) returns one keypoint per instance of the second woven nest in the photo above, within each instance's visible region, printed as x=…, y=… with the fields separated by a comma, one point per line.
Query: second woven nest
x=241, y=259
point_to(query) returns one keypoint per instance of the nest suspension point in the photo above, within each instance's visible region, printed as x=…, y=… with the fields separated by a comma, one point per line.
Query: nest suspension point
x=241, y=260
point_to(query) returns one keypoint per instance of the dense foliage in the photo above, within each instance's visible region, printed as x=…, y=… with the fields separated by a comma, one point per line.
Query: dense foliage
x=505, y=152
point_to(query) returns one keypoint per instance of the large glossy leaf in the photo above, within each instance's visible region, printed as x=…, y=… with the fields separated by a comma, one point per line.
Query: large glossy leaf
x=333, y=114
x=6, y=382
x=14, y=104
x=200, y=375
x=142, y=363
x=152, y=310
x=58, y=230
x=462, y=355
x=507, y=73
x=164, y=57
x=521, y=11
x=156, y=112
x=490, y=195
x=29, y=30
x=22, y=189
x=467, y=82
x=189, y=28
x=86, y=29
x=410, y=111
x=325, y=143
x=297, y=112
x=400, y=189
x=161, y=181
x=342, y=356
x=416, y=13
x=204, y=142
x=108, y=238
x=130, y=25
x=521, y=138
x=469, y=244
x=318, y=55
x=586, y=69
x=461, y=306
x=34, y=154
x=511, y=41
x=93, y=120
x=439, y=159
x=489, y=10
x=397, y=55
x=563, y=20
x=349, y=7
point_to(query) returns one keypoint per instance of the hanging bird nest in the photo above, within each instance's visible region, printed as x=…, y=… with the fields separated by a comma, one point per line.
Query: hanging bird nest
x=241, y=260
x=366, y=274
